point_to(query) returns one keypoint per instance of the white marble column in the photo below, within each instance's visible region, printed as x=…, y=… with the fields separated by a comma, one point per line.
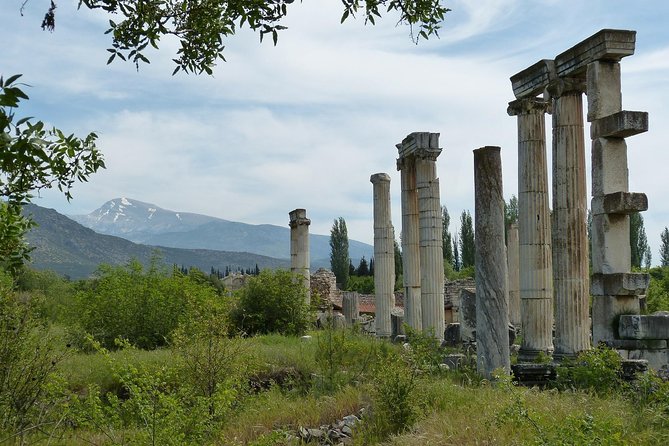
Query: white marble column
x=384, y=255
x=431, y=242
x=571, y=279
x=299, y=248
x=513, y=267
x=492, y=320
x=410, y=244
x=534, y=230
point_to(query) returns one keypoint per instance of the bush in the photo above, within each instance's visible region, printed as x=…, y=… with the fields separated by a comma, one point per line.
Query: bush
x=273, y=302
x=143, y=307
x=361, y=284
x=598, y=370
x=27, y=360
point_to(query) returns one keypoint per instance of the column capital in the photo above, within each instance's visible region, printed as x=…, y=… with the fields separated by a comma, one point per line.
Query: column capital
x=379, y=178
x=527, y=106
x=566, y=86
x=419, y=144
x=298, y=217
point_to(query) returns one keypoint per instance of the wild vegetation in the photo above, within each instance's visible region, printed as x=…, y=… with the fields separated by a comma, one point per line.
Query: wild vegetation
x=154, y=356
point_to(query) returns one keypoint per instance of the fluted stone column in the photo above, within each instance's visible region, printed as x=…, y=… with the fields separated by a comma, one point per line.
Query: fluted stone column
x=410, y=243
x=431, y=244
x=350, y=306
x=513, y=267
x=571, y=279
x=492, y=320
x=534, y=230
x=384, y=255
x=299, y=248
x=423, y=148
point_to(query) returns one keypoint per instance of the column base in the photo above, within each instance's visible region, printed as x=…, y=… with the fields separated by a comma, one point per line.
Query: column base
x=531, y=355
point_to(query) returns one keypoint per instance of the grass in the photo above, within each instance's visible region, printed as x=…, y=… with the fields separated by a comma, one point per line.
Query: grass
x=454, y=410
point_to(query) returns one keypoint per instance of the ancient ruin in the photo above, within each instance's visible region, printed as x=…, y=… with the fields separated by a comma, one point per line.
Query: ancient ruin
x=492, y=299
x=384, y=254
x=422, y=247
x=299, y=247
x=592, y=67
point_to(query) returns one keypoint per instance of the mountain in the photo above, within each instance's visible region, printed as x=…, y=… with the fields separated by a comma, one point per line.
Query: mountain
x=67, y=247
x=149, y=224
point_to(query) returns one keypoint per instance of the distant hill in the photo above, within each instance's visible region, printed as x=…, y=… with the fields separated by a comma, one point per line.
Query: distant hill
x=149, y=224
x=67, y=247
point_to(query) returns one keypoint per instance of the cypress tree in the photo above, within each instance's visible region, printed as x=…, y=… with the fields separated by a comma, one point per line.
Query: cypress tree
x=446, y=236
x=638, y=239
x=339, y=258
x=664, y=247
x=467, y=245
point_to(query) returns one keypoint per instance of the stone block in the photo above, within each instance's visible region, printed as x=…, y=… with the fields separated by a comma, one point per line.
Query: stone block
x=609, y=166
x=637, y=326
x=656, y=358
x=619, y=284
x=455, y=360
x=452, y=334
x=620, y=125
x=534, y=374
x=637, y=344
x=419, y=141
x=611, y=252
x=604, y=89
x=633, y=367
x=620, y=203
x=607, y=44
x=532, y=80
x=606, y=311
x=396, y=322
x=467, y=316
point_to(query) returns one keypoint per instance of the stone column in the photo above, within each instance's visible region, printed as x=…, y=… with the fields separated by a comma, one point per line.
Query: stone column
x=571, y=279
x=431, y=242
x=615, y=290
x=410, y=243
x=350, y=306
x=513, y=267
x=492, y=320
x=299, y=248
x=534, y=230
x=384, y=255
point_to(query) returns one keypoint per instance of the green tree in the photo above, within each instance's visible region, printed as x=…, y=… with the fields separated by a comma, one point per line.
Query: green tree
x=201, y=27
x=467, y=246
x=664, y=247
x=272, y=302
x=510, y=214
x=339, y=258
x=363, y=268
x=32, y=158
x=446, y=237
x=398, y=258
x=457, y=265
x=638, y=239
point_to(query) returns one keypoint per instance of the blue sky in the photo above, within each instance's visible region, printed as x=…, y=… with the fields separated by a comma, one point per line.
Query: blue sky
x=305, y=123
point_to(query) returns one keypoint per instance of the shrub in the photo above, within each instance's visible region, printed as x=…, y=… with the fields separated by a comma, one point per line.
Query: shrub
x=143, y=307
x=273, y=302
x=361, y=284
x=27, y=360
x=598, y=370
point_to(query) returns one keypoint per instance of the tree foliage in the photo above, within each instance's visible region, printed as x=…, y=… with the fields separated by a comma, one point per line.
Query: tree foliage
x=664, y=247
x=447, y=239
x=272, y=302
x=142, y=305
x=339, y=258
x=467, y=245
x=638, y=240
x=32, y=158
x=201, y=26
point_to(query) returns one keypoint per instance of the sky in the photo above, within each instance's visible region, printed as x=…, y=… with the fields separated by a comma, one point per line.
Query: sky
x=304, y=124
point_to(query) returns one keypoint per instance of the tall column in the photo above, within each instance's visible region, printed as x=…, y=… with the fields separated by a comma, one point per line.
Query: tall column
x=534, y=230
x=410, y=243
x=615, y=290
x=384, y=255
x=570, y=242
x=513, y=267
x=492, y=320
x=431, y=242
x=299, y=248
